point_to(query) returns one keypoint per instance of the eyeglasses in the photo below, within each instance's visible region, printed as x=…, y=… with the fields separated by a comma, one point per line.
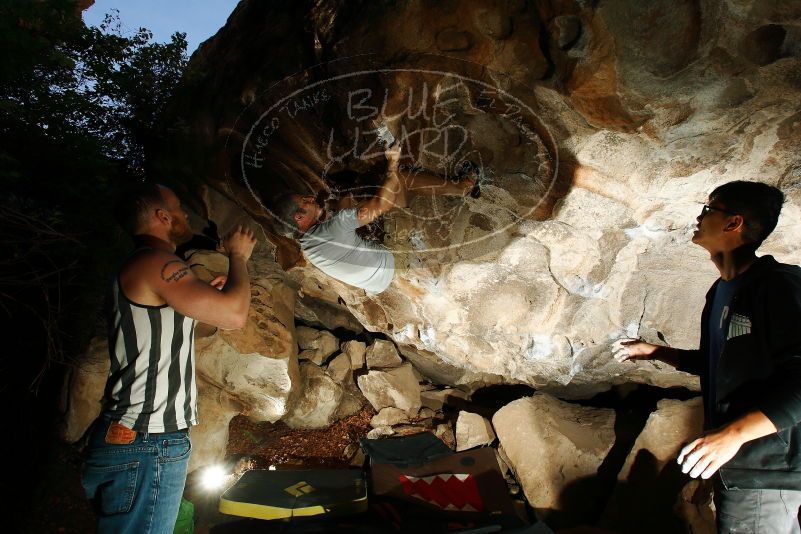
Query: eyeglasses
x=707, y=208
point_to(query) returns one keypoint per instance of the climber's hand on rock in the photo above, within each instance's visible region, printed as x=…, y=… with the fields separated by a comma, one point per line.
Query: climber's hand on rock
x=633, y=349
x=240, y=242
x=466, y=184
x=392, y=154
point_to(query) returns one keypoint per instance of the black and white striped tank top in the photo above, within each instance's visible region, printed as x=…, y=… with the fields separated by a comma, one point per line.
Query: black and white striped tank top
x=151, y=384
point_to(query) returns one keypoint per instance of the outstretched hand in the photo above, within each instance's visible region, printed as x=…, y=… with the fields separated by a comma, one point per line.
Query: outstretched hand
x=633, y=349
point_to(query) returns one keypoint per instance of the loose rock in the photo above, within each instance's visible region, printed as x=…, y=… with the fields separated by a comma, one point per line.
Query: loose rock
x=473, y=430
x=380, y=432
x=382, y=354
x=436, y=399
x=319, y=400
x=444, y=432
x=339, y=370
x=316, y=345
x=356, y=351
x=393, y=387
x=389, y=416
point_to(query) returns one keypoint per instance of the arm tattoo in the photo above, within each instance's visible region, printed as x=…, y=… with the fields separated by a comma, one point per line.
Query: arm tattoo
x=182, y=271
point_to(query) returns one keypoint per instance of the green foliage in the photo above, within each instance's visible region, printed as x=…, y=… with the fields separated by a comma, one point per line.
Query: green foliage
x=79, y=119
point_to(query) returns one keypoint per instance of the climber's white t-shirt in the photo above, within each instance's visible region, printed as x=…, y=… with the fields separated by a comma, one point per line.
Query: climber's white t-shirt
x=334, y=247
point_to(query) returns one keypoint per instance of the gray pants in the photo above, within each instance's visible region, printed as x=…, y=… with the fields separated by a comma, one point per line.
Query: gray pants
x=757, y=511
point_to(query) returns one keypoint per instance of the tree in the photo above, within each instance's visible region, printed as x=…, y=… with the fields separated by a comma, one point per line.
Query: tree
x=79, y=118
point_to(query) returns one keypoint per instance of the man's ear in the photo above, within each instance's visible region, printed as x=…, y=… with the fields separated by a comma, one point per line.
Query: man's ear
x=163, y=216
x=736, y=223
x=298, y=217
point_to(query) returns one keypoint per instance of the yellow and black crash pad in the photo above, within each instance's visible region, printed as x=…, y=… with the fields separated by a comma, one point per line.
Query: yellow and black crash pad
x=264, y=494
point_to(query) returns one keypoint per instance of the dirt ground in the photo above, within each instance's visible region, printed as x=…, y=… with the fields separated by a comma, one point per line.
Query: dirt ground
x=277, y=444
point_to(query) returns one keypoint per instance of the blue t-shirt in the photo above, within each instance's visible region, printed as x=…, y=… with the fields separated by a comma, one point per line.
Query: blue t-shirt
x=718, y=322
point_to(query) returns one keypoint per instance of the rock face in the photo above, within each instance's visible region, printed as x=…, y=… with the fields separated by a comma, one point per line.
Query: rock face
x=257, y=365
x=600, y=126
x=389, y=416
x=555, y=448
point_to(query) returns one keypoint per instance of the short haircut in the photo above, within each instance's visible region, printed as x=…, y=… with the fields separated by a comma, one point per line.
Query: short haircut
x=758, y=203
x=284, y=208
x=135, y=204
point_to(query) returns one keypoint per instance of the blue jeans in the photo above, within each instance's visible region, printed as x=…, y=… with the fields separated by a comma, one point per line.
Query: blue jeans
x=136, y=488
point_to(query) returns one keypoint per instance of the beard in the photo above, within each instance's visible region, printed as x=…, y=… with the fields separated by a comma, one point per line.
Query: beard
x=181, y=233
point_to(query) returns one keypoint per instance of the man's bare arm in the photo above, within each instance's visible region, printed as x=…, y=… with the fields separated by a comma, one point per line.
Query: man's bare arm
x=180, y=288
x=390, y=195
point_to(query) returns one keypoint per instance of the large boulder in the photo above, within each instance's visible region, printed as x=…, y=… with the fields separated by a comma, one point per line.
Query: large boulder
x=210, y=436
x=555, y=449
x=396, y=387
x=263, y=385
x=651, y=483
x=256, y=365
x=595, y=144
x=437, y=399
x=83, y=390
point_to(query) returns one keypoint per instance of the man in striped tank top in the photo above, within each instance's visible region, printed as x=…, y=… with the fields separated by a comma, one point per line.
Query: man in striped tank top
x=139, y=447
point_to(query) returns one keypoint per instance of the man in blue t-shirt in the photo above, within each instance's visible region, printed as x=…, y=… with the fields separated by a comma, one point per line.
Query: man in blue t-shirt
x=749, y=362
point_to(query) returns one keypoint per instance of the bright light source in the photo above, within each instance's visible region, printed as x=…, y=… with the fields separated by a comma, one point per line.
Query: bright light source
x=214, y=477
x=271, y=468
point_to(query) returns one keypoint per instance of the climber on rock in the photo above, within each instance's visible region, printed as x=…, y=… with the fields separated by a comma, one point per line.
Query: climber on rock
x=330, y=242
x=749, y=362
